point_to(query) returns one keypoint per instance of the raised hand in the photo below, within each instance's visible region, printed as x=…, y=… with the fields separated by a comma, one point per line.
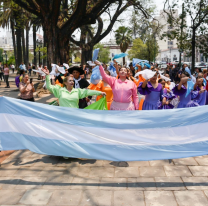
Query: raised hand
x=45, y=70
x=97, y=63
x=103, y=94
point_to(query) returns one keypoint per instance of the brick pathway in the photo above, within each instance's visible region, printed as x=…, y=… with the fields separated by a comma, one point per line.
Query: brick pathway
x=27, y=178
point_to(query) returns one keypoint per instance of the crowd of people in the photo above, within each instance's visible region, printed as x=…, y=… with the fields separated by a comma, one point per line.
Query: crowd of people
x=128, y=87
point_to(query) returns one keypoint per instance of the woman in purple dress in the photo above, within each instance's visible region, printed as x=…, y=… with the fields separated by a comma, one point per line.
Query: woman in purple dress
x=186, y=96
x=199, y=86
x=153, y=92
x=168, y=95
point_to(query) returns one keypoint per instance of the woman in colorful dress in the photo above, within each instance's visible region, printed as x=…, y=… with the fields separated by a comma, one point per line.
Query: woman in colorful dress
x=124, y=91
x=168, y=95
x=67, y=95
x=153, y=92
x=186, y=95
x=199, y=86
x=103, y=87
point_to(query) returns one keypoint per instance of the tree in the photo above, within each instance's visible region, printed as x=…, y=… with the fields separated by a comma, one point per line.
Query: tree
x=146, y=51
x=1, y=54
x=11, y=60
x=7, y=18
x=198, y=13
x=178, y=27
x=77, y=60
x=90, y=36
x=104, y=53
x=139, y=23
x=61, y=18
x=123, y=39
x=137, y=50
x=152, y=48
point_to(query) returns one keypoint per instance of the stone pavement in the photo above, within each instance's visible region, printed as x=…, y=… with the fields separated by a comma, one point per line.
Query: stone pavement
x=27, y=178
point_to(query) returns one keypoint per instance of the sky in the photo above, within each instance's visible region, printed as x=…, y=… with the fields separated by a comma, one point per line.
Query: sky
x=159, y=4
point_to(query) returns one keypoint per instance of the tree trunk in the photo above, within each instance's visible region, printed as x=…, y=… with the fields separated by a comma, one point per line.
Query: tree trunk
x=34, y=45
x=44, y=45
x=14, y=42
x=23, y=46
x=193, y=49
x=27, y=45
x=53, y=48
x=86, y=53
x=19, y=46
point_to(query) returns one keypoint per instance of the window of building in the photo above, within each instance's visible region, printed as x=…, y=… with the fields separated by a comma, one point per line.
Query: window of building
x=170, y=42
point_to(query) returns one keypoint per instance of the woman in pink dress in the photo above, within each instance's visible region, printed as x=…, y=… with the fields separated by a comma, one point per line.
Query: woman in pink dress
x=6, y=75
x=124, y=91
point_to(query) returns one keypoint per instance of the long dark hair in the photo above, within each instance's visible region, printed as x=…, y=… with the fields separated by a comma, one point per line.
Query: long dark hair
x=186, y=74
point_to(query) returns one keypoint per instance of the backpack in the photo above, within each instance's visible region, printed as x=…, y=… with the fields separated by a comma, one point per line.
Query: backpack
x=17, y=80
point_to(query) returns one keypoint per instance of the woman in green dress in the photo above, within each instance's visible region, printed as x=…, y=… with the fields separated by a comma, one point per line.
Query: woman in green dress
x=67, y=95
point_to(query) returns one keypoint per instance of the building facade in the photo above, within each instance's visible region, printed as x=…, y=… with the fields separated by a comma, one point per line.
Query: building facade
x=168, y=50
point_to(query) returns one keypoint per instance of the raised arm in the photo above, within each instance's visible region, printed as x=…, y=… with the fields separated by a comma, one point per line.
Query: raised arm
x=110, y=80
x=53, y=89
x=144, y=84
x=87, y=92
x=116, y=66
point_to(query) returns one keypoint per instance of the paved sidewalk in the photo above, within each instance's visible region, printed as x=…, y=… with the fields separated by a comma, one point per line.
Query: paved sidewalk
x=27, y=178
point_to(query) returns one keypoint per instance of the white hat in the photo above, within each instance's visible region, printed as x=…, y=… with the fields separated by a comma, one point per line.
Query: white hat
x=66, y=65
x=147, y=74
x=91, y=63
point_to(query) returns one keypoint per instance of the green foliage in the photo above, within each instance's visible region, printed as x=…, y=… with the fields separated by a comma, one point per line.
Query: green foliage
x=137, y=50
x=139, y=24
x=77, y=60
x=104, y=53
x=148, y=50
x=1, y=54
x=43, y=52
x=189, y=37
x=123, y=38
x=11, y=60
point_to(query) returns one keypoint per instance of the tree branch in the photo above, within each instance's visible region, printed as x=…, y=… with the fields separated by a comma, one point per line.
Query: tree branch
x=27, y=7
x=55, y=9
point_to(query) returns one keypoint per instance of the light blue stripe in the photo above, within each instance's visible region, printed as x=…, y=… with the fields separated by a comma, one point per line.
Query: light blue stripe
x=16, y=141
x=106, y=119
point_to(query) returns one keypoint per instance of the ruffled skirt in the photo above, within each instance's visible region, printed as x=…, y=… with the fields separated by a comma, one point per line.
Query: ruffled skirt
x=122, y=106
x=150, y=105
x=189, y=104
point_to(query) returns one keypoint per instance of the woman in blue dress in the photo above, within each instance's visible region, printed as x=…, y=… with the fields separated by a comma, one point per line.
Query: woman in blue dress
x=199, y=86
x=186, y=93
x=153, y=92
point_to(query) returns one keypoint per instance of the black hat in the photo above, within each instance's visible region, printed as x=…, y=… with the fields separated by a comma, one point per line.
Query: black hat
x=79, y=69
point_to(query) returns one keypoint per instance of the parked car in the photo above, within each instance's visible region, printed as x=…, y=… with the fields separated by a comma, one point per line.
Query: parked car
x=200, y=65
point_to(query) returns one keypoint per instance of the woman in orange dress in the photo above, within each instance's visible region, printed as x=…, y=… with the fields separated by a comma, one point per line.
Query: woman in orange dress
x=103, y=87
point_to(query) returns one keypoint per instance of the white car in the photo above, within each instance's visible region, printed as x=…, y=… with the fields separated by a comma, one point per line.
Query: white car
x=200, y=65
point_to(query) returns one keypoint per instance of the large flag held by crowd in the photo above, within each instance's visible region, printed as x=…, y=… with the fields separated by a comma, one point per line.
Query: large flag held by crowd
x=107, y=135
